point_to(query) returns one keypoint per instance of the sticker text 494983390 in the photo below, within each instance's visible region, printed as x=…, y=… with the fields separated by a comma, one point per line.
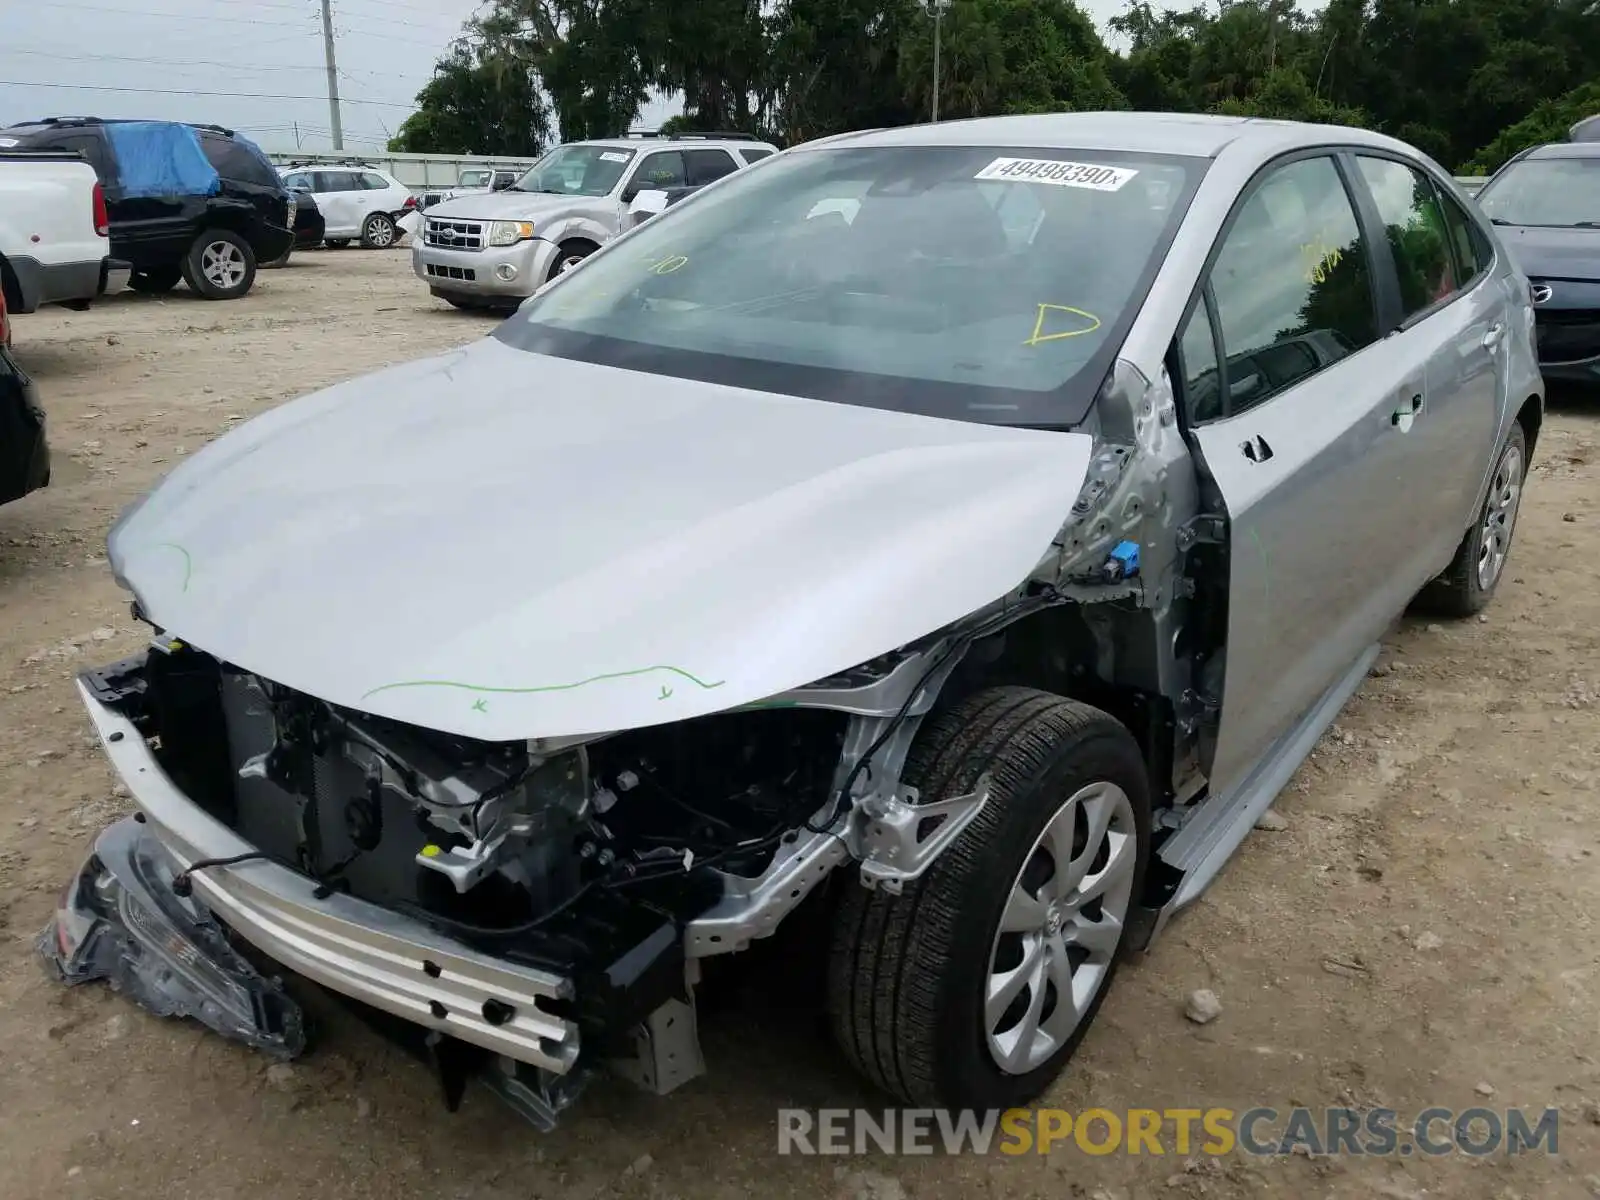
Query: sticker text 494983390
x=1058, y=172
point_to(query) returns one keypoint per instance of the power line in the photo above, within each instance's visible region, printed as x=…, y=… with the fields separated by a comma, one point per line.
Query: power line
x=183, y=62
x=179, y=17
x=161, y=62
x=91, y=87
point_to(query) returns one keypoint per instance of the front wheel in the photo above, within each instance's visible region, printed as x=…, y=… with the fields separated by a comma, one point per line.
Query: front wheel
x=378, y=232
x=220, y=265
x=1469, y=582
x=570, y=255
x=974, y=987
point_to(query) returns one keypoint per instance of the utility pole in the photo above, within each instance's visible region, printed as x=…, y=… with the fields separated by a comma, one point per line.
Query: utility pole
x=333, y=74
x=936, y=10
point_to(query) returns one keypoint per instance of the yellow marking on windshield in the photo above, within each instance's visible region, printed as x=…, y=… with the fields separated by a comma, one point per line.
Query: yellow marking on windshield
x=1039, y=336
x=666, y=266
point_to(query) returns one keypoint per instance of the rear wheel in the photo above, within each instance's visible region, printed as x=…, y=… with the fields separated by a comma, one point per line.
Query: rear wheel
x=220, y=265
x=975, y=985
x=1469, y=582
x=378, y=232
x=156, y=280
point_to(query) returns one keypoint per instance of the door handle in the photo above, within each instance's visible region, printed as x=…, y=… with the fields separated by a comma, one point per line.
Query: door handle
x=1491, y=339
x=1256, y=449
x=1403, y=416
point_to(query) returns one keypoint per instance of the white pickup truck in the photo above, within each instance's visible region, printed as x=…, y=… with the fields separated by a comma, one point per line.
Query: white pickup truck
x=54, y=243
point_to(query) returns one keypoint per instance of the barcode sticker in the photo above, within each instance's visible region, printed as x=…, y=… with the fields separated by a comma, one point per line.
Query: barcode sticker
x=1058, y=173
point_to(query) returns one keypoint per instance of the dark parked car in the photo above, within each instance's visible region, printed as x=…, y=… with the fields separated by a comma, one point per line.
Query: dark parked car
x=191, y=202
x=1547, y=203
x=24, y=455
x=309, y=227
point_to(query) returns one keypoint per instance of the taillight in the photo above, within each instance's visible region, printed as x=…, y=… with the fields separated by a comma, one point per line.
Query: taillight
x=102, y=219
x=411, y=202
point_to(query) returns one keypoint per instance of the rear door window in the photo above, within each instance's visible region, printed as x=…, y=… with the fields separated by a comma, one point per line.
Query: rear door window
x=663, y=169
x=708, y=166
x=338, y=181
x=1292, y=284
x=1473, y=253
x=1415, y=225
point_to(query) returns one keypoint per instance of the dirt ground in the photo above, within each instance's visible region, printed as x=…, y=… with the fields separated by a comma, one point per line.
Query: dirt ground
x=1421, y=932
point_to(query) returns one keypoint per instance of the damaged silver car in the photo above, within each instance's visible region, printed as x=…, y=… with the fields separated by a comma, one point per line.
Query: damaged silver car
x=959, y=533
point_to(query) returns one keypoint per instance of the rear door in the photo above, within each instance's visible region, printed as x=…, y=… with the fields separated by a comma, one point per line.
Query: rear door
x=339, y=195
x=1451, y=320
x=1288, y=392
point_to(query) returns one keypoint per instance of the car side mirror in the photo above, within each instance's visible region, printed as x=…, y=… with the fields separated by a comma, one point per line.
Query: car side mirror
x=647, y=204
x=631, y=192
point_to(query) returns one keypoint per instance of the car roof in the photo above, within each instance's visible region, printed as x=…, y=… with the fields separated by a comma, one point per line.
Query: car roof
x=674, y=143
x=1197, y=135
x=1566, y=150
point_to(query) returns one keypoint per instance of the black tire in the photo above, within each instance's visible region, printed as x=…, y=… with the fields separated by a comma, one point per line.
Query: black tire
x=336, y=243
x=571, y=253
x=379, y=232
x=281, y=261
x=1460, y=591
x=907, y=973
x=156, y=281
x=213, y=281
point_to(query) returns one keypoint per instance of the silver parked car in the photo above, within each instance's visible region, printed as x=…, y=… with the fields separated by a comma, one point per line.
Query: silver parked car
x=959, y=533
x=494, y=249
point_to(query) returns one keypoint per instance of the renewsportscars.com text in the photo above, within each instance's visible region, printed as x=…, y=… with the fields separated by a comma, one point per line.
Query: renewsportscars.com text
x=1178, y=1131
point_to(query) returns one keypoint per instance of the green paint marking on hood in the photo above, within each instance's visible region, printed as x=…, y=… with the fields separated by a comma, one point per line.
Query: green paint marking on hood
x=551, y=687
x=188, y=565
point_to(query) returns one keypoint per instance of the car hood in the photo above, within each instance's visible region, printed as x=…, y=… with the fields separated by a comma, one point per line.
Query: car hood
x=505, y=545
x=1545, y=253
x=507, y=206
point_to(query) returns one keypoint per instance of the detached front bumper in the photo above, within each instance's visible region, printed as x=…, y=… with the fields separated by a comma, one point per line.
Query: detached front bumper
x=357, y=949
x=508, y=273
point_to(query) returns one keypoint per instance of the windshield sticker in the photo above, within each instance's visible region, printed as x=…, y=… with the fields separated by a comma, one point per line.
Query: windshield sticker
x=1073, y=316
x=1059, y=173
x=614, y=156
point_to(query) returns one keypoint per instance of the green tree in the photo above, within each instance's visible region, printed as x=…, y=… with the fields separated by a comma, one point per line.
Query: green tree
x=1548, y=122
x=477, y=102
x=1009, y=56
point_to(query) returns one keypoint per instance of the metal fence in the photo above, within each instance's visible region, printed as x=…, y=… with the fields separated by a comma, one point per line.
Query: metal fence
x=416, y=171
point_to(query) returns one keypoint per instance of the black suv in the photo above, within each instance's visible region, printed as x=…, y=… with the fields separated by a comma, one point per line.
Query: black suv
x=212, y=239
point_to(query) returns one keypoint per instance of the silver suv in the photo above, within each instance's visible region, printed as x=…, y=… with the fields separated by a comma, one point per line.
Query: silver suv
x=495, y=249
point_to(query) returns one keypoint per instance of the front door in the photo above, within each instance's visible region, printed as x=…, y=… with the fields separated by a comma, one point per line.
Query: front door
x=1290, y=395
x=1451, y=321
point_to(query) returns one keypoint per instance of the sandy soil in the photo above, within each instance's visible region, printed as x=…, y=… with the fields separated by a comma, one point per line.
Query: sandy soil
x=1422, y=930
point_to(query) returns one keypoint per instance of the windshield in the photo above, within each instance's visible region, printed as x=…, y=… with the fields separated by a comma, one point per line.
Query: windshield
x=976, y=283
x=475, y=179
x=1562, y=192
x=576, y=171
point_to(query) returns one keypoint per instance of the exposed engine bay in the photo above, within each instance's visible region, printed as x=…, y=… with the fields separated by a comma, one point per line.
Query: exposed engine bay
x=612, y=863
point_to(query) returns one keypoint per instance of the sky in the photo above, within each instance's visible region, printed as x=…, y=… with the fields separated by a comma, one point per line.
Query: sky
x=253, y=65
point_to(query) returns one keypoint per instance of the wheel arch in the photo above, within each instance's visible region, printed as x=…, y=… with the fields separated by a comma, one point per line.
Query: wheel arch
x=1531, y=417
x=1095, y=657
